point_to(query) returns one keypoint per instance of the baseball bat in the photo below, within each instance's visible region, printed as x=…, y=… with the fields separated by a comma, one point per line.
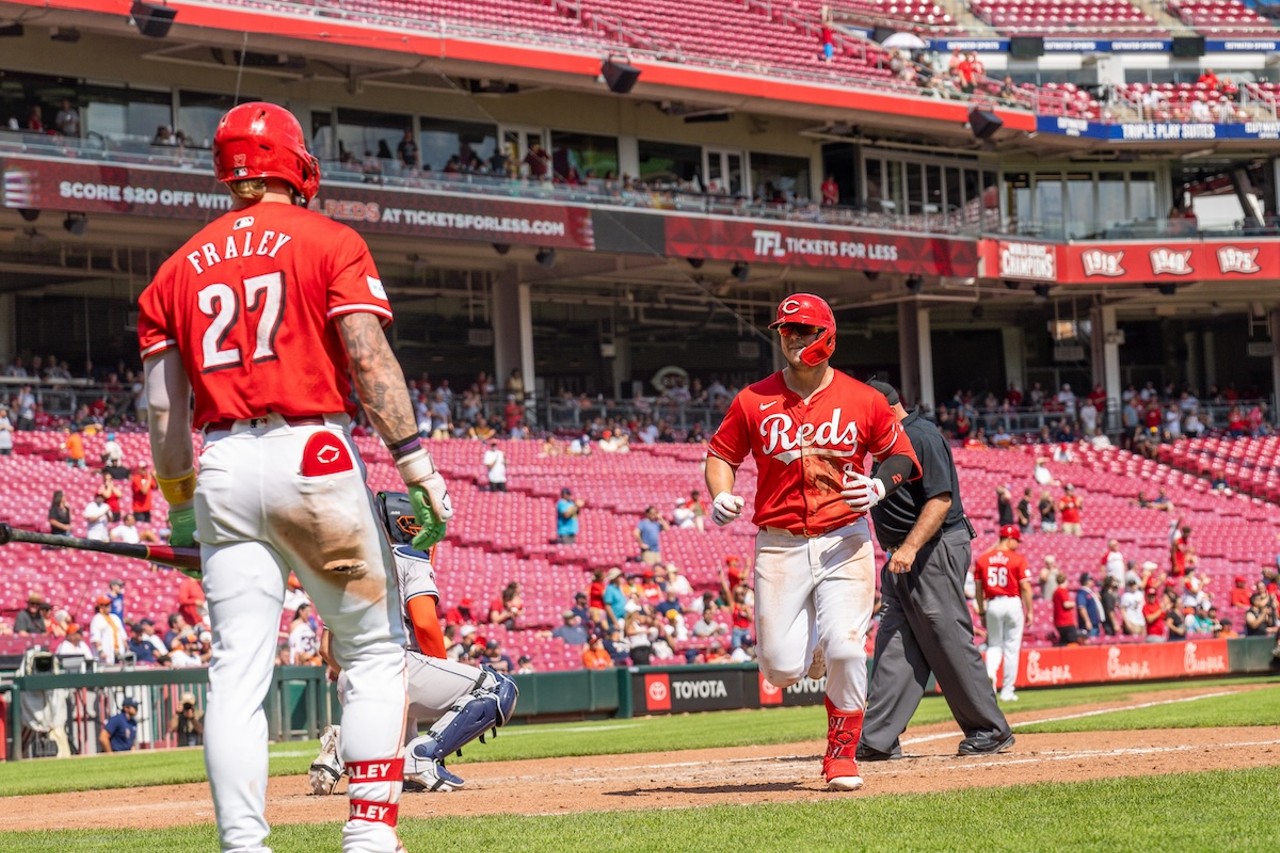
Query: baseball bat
x=183, y=558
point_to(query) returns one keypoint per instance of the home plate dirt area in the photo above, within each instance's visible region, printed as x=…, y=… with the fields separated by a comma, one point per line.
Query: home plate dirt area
x=703, y=777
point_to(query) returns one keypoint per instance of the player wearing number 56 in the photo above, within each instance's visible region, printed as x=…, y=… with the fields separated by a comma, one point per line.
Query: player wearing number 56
x=271, y=314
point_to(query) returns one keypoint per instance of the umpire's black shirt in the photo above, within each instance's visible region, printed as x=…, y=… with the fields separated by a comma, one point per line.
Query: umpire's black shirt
x=896, y=514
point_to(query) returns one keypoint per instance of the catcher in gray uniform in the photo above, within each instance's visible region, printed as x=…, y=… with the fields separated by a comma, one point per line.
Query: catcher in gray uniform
x=459, y=702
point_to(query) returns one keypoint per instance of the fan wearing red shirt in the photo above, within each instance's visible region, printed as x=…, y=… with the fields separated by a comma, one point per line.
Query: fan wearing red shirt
x=1069, y=506
x=1154, y=612
x=142, y=484
x=810, y=429
x=271, y=314
x=1064, y=613
x=1003, y=596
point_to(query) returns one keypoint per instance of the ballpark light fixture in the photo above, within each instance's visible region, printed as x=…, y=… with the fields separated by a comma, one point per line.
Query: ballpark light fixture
x=1011, y=285
x=152, y=20
x=29, y=214
x=1167, y=288
x=915, y=283
x=696, y=263
x=76, y=223
x=619, y=76
x=1042, y=292
x=12, y=31
x=741, y=271
x=70, y=35
x=502, y=248
x=546, y=258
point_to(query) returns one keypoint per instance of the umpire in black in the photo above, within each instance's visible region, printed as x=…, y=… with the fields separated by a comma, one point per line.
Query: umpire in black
x=925, y=625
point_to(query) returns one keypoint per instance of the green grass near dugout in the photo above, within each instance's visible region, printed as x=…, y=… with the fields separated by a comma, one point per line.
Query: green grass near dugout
x=1222, y=810
x=1259, y=707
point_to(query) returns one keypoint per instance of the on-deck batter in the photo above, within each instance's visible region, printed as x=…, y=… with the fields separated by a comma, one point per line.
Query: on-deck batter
x=809, y=428
x=1002, y=583
x=269, y=314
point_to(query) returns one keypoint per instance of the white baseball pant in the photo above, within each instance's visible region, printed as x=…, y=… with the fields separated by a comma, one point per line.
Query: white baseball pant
x=1004, y=637
x=257, y=517
x=819, y=587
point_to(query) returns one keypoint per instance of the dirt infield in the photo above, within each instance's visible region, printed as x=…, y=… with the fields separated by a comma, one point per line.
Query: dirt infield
x=741, y=775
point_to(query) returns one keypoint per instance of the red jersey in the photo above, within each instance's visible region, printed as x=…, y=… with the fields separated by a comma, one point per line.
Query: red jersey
x=1153, y=614
x=1069, y=509
x=1064, y=608
x=803, y=450
x=142, y=486
x=1001, y=573
x=249, y=303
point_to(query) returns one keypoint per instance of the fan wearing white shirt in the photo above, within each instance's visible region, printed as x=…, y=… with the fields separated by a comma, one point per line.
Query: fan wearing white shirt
x=126, y=531
x=96, y=515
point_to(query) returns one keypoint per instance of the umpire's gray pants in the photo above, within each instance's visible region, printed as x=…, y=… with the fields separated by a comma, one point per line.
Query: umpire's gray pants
x=925, y=627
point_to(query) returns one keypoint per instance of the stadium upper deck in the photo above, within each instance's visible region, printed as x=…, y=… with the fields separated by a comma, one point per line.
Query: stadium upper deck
x=1057, y=195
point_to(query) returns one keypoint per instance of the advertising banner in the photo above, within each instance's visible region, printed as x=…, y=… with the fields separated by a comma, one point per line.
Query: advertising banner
x=1157, y=131
x=1170, y=261
x=676, y=692
x=1058, y=667
x=827, y=247
x=1027, y=261
x=806, y=691
x=84, y=187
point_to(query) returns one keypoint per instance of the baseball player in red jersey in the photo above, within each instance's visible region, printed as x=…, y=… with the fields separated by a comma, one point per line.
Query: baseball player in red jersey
x=270, y=314
x=1003, y=597
x=810, y=428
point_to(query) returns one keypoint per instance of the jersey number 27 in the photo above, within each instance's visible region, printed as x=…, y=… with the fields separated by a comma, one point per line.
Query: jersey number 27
x=264, y=295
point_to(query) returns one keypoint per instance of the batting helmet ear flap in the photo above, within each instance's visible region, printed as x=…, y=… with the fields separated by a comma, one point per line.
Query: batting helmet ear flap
x=821, y=349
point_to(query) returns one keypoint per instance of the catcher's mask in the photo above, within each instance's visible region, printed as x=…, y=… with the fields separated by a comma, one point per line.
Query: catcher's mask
x=398, y=519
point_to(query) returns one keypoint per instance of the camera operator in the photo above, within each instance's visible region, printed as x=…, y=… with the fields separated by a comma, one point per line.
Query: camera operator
x=187, y=722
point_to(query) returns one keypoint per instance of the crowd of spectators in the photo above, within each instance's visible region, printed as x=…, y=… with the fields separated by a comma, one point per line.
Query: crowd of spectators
x=1143, y=418
x=647, y=613
x=1122, y=597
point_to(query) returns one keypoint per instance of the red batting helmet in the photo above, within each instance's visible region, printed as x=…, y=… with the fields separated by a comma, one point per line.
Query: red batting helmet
x=1011, y=531
x=261, y=140
x=806, y=308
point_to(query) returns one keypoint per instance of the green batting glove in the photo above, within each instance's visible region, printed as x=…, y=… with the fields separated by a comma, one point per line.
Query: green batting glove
x=432, y=527
x=182, y=526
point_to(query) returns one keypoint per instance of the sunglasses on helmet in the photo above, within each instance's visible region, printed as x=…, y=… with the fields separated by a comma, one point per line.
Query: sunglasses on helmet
x=802, y=329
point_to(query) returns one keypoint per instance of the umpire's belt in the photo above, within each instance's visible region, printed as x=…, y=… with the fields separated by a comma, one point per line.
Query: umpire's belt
x=270, y=421
x=962, y=524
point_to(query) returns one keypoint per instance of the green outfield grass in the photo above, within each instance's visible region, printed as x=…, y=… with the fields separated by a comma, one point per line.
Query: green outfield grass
x=1190, y=811
x=1180, y=809
x=731, y=728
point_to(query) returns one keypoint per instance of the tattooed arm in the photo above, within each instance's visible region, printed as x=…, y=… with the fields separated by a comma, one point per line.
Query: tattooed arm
x=379, y=381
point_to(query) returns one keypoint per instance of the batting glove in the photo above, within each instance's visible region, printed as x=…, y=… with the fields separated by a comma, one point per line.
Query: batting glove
x=726, y=508
x=433, y=526
x=861, y=492
x=182, y=526
x=417, y=469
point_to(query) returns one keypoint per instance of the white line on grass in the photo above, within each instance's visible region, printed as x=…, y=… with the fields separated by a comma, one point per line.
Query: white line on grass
x=532, y=730
x=1082, y=714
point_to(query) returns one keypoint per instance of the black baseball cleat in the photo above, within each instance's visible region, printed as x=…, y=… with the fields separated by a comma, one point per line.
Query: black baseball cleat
x=866, y=753
x=986, y=744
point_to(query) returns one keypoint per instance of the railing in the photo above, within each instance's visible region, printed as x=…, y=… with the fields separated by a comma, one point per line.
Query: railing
x=595, y=191
x=300, y=703
x=1148, y=229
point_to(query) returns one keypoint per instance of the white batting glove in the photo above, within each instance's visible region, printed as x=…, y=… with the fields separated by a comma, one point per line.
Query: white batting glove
x=861, y=492
x=418, y=469
x=726, y=508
